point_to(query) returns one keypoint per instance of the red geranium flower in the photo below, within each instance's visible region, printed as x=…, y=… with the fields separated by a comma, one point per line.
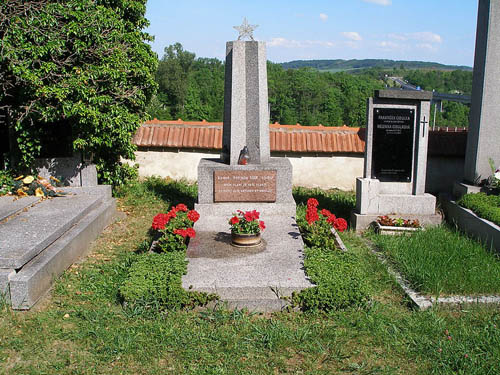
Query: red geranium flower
x=180, y=232
x=159, y=221
x=193, y=216
x=251, y=215
x=234, y=220
x=325, y=212
x=191, y=232
x=262, y=226
x=181, y=207
x=331, y=219
x=340, y=224
x=311, y=215
x=312, y=202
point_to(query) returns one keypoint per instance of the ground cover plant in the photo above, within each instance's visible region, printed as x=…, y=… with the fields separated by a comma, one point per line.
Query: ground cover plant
x=442, y=261
x=82, y=327
x=339, y=278
x=485, y=206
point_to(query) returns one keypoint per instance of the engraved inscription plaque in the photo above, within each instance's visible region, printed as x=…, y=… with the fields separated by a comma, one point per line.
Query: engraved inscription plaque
x=245, y=186
x=393, y=133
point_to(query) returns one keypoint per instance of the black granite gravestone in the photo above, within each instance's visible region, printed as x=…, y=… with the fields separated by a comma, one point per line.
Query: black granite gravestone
x=393, y=144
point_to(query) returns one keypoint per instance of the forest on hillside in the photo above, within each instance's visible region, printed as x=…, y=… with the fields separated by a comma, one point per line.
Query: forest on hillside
x=192, y=88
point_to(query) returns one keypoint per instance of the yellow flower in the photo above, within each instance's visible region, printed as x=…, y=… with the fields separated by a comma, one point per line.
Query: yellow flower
x=18, y=178
x=21, y=193
x=39, y=192
x=28, y=180
x=54, y=179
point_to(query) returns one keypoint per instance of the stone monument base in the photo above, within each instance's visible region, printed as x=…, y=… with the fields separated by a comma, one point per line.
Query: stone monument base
x=361, y=222
x=283, y=203
x=372, y=203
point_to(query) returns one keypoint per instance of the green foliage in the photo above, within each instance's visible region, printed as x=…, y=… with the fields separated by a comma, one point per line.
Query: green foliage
x=193, y=89
x=155, y=282
x=485, y=206
x=341, y=203
x=352, y=65
x=454, y=115
x=454, y=82
x=156, y=278
x=83, y=63
x=340, y=281
x=7, y=182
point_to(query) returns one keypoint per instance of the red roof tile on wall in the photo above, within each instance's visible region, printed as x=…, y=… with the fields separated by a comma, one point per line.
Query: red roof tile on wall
x=283, y=138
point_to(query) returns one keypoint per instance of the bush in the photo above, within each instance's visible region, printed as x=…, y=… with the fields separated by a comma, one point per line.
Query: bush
x=340, y=281
x=155, y=281
x=6, y=182
x=485, y=206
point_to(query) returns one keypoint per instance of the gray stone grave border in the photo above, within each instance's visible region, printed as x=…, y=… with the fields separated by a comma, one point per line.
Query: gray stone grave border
x=423, y=302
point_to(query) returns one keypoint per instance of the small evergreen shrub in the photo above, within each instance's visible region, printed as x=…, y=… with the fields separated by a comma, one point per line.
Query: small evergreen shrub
x=155, y=281
x=339, y=278
x=485, y=206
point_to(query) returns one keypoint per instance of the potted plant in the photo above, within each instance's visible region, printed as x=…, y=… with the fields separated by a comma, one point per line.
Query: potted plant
x=246, y=228
x=389, y=225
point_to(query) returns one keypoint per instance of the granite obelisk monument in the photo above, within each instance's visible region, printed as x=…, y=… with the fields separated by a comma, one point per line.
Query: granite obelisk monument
x=246, y=178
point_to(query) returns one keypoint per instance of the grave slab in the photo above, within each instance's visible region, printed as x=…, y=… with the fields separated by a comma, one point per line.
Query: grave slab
x=30, y=232
x=10, y=205
x=254, y=278
x=36, y=277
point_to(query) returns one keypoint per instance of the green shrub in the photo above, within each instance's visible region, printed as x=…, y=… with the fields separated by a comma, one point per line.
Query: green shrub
x=339, y=278
x=6, y=182
x=155, y=281
x=485, y=206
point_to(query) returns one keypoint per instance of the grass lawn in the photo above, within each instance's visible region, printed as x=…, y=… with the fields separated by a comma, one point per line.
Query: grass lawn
x=442, y=261
x=82, y=328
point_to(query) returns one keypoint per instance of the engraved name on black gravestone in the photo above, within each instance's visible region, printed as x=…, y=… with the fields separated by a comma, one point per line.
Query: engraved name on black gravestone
x=393, y=144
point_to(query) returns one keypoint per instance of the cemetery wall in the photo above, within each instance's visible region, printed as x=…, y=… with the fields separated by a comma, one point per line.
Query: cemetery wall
x=321, y=157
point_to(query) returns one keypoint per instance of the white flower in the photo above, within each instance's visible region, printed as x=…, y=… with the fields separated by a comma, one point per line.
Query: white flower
x=497, y=175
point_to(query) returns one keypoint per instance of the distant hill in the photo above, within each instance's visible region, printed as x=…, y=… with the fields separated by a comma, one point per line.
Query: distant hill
x=345, y=65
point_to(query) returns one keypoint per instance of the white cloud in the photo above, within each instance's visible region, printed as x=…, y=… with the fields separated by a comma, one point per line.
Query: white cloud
x=352, y=35
x=388, y=45
x=290, y=43
x=323, y=16
x=427, y=46
x=379, y=2
x=427, y=36
x=423, y=36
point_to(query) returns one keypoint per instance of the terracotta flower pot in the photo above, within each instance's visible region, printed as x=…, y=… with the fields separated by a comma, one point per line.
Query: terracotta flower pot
x=245, y=239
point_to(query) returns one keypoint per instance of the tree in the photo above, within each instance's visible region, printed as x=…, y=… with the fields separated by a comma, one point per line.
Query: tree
x=81, y=63
x=172, y=76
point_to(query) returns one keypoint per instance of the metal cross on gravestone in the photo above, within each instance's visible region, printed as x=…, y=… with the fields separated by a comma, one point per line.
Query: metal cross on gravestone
x=245, y=29
x=424, y=122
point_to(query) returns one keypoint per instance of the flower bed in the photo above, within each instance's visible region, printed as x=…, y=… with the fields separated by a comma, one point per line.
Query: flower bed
x=484, y=206
x=155, y=279
x=340, y=281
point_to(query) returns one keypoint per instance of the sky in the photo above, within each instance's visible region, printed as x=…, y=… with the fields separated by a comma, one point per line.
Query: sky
x=440, y=31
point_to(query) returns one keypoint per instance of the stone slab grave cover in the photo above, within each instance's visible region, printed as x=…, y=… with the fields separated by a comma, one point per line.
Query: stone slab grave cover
x=39, y=239
x=395, y=160
x=253, y=278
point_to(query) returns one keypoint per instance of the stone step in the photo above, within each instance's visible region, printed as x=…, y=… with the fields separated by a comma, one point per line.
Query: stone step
x=36, y=277
x=254, y=278
x=25, y=235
